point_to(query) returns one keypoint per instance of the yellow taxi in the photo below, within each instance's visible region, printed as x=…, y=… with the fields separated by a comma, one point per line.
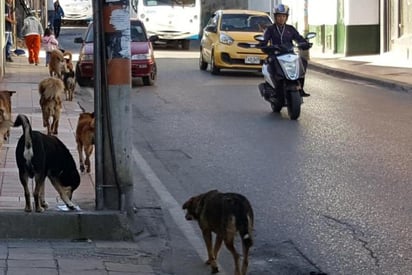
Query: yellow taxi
x=222, y=34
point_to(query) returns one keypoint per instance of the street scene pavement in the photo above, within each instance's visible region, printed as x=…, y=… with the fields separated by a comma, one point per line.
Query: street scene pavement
x=89, y=256
x=44, y=256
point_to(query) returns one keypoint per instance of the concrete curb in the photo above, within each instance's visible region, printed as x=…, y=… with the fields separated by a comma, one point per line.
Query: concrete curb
x=99, y=225
x=391, y=84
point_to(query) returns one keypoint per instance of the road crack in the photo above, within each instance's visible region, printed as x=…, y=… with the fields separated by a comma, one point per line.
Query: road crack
x=357, y=236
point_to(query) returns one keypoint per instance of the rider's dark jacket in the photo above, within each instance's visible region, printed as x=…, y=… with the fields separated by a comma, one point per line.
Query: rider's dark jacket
x=278, y=35
x=281, y=34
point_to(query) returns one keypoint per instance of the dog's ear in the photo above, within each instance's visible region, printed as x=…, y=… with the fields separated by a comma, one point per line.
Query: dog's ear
x=187, y=203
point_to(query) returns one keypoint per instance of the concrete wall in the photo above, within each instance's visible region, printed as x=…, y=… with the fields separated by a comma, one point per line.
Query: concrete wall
x=348, y=27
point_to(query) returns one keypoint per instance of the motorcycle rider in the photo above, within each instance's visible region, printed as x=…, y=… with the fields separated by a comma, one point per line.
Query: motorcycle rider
x=280, y=33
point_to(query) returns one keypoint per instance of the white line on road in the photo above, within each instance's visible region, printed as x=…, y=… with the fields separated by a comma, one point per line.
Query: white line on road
x=171, y=205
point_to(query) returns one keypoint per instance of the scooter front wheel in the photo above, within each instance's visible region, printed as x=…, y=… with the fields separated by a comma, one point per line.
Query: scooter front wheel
x=294, y=105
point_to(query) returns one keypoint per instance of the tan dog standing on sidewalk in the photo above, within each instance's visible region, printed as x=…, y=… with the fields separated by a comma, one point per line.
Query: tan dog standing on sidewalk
x=85, y=139
x=5, y=115
x=57, y=63
x=224, y=214
x=51, y=91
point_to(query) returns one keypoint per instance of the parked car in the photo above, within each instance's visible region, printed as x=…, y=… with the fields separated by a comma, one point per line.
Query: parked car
x=142, y=56
x=225, y=29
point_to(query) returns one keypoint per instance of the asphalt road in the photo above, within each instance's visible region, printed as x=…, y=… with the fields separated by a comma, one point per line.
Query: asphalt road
x=331, y=191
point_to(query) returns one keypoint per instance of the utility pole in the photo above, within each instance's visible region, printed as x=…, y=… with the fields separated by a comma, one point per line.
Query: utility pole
x=305, y=17
x=112, y=67
x=305, y=53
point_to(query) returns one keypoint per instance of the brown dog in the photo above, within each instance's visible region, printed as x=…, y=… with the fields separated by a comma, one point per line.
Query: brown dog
x=68, y=76
x=51, y=91
x=68, y=57
x=5, y=115
x=57, y=63
x=69, y=84
x=85, y=139
x=224, y=214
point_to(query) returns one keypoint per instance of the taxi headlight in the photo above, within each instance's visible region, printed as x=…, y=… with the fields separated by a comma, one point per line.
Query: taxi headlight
x=226, y=39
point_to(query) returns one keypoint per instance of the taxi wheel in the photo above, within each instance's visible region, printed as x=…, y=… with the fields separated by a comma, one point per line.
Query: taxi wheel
x=213, y=69
x=202, y=63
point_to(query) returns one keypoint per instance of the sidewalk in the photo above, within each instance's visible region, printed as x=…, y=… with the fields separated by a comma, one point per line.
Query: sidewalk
x=31, y=255
x=386, y=70
x=24, y=78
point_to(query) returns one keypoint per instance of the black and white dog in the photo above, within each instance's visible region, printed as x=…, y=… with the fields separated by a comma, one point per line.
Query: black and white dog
x=40, y=156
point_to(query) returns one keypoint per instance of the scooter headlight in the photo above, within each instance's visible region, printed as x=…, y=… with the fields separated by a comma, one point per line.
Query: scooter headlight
x=290, y=66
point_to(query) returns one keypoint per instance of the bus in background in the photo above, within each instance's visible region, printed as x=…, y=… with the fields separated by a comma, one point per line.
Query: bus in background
x=77, y=9
x=175, y=22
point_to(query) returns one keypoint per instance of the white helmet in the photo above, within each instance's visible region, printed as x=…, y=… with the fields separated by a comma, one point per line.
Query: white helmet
x=281, y=9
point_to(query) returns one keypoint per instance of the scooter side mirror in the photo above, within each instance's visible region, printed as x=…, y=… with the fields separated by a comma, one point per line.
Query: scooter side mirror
x=259, y=37
x=310, y=35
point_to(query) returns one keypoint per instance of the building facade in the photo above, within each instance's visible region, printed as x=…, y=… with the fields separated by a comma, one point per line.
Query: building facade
x=357, y=27
x=352, y=27
x=347, y=27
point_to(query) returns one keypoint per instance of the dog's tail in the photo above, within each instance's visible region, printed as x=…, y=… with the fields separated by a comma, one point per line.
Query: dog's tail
x=244, y=220
x=22, y=120
x=69, y=55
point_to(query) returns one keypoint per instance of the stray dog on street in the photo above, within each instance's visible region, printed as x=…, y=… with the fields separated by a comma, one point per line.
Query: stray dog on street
x=51, y=90
x=224, y=214
x=68, y=57
x=39, y=156
x=85, y=139
x=69, y=84
x=57, y=63
x=5, y=115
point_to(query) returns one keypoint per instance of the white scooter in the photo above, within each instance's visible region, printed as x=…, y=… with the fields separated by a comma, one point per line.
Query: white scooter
x=283, y=72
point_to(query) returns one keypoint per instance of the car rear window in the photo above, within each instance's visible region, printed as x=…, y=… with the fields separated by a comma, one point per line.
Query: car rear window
x=89, y=34
x=244, y=22
x=137, y=32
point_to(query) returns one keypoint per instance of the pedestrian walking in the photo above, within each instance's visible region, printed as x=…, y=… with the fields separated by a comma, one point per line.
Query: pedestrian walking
x=32, y=32
x=58, y=15
x=50, y=14
x=50, y=43
x=9, y=22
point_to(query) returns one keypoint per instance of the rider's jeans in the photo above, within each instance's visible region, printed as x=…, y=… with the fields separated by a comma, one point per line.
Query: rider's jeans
x=9, y=43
